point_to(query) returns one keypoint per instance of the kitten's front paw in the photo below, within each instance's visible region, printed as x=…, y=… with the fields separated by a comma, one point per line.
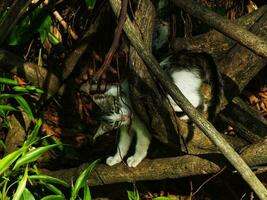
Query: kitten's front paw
x=133, y=161
x=113, y=160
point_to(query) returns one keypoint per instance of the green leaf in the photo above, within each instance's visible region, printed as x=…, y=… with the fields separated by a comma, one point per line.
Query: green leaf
x=6, y=96
x=22, y=102
x=133, y=195
x=53, y=197
x=33, y=155
x=20, y=89
x=44, y=28
x=10, y=158
x=33, y=136
x=90, y=4
x=53, y=189
x=39, y=91
x=4, y=108
x=162, y=198
x=49, y=179
x=25, y=106
x=81, y=180
x=2, y=144
x=21, y=186
x=86, y=193
x=30, y=25
x=52, y=38
x=27, y=195
x=8, y=81
x=30, y=87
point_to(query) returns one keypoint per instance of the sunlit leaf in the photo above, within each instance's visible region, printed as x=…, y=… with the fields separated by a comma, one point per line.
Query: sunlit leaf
x=10, y=158
x=39, y=91
x=21, y=186
x=49, y=179
x=25, y=106
x=4, y=108
x=20, y=89
x=54, y=197
x=27, y=195
x=33, y=136
x=86, y=192
x=52, y=39
x=33, y=155
x=81, y=180
x=54, y=189
x=8, y=81
x=133, y=195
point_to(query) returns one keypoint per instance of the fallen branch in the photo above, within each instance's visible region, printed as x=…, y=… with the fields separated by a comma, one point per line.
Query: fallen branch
x=214, y=42
x=158, y=169
x=228, y=28
x=195, y=116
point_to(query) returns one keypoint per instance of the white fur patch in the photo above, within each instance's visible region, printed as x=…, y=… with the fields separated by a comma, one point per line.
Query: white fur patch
x=189, y=82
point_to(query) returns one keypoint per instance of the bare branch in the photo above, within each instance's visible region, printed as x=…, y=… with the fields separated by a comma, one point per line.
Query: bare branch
x=196, y=117
x=238, y=33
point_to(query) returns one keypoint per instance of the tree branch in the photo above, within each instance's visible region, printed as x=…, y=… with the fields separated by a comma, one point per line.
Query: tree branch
x=196, y=117
x=161, y=168
x=232, y=30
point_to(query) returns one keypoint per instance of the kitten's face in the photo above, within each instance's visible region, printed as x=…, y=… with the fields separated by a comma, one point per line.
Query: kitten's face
x=112, y=113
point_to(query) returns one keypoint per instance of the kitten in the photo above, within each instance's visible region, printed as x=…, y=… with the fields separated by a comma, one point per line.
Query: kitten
x=128, y=123
x=188, y=71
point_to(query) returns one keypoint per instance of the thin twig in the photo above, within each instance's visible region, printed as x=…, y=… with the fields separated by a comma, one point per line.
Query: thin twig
x=115, y=43
x=208, y=180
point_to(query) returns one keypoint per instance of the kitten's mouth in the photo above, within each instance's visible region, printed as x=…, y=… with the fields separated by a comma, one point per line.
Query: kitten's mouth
x=126, y=117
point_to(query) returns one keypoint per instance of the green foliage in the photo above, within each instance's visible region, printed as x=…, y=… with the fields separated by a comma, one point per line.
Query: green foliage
x=133, y=195
x=49, y=179
x=21, y=101
x=86, y=192
x=162, y=198
x=90, y=4
x=8, y=160
x=10, y=89
x=32, y=155
x=27, y=195
x=53, y=197
x=8, y=81
x=39, y=21
x=22, y=185
x=22, y=159
x=82, y=180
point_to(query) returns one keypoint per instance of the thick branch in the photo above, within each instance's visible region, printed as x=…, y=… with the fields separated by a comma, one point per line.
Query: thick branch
x=158, y=169
x=214, y=42
x=238, y=33
x=147, y=101
x=197, y=118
